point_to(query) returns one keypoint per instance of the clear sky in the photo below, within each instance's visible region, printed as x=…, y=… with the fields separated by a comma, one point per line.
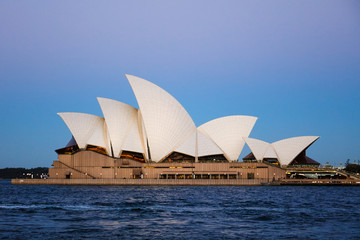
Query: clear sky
x=293, y=64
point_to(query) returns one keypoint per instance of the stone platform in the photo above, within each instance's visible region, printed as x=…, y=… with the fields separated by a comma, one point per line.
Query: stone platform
x=232, y=182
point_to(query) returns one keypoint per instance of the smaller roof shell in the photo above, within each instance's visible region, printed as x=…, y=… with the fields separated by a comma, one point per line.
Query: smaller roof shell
x=285, y=150
x=288, y=149
x=87, y=129
x=257, y=147
x=121, y=120
x=133, y=141
x=199, y=145
x=228, y=132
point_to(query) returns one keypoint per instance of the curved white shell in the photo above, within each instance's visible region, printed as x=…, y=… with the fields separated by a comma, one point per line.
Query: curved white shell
x=166, y=122
x=203, y=147
x=228, y=132
x=87, y=129
x=285, y=150
x=257, y=147
x=121, y=120
x=288, y=149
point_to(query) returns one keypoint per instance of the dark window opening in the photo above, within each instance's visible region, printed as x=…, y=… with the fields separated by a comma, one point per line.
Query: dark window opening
x=133, y=156
x=273, y=161
x=176, y=157
x=251, y=175
x=213, y=159
x=96, y=149
x=68, y=150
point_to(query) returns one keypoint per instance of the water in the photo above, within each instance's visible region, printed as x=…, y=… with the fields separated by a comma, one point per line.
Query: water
x=178, y=212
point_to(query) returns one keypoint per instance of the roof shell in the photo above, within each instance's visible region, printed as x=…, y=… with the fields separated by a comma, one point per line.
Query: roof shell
x=228, y=132
x=288, y=149
x=133, y=141
x=166, y=122
x=257, y=147
x=199, y=145
x=285, y=150
x=270, y=152
x=143, y=135
x=121, y=120
x=207, y=146
x=87, y=129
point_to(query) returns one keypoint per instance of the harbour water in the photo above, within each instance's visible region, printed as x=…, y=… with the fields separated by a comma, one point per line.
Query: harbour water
x=178, y=212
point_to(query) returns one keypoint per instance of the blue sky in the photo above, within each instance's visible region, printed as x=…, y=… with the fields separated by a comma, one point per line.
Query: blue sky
x=293, y=64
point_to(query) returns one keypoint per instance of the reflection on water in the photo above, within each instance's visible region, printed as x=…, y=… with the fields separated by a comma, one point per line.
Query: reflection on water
x=197, y=212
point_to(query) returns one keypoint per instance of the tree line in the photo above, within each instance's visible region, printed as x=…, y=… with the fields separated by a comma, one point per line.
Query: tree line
x=10, y=173
x=353, y=168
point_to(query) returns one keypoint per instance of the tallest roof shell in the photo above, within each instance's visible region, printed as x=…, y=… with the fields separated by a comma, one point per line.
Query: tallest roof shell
x=166, y=122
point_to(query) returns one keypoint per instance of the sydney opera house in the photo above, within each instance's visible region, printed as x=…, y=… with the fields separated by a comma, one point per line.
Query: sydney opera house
x=159, y=140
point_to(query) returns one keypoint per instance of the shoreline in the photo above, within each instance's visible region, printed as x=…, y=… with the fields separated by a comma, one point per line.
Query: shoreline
x=188, y=182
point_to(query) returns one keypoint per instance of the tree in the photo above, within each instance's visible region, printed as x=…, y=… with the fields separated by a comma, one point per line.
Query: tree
x=347, y=162
x=352, y=168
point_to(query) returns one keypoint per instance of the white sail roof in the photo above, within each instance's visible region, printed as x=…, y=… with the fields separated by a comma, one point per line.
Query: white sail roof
x=133, y=141
x=270, y=152
x=285, y=150
x=257, y=147
x=203, y=147
x=87, y=129
x=288, y=149
x=206, y=146
x=121, y=119
x=188, y=147
x=228, y=132
x=143, y=135
x=166, y=121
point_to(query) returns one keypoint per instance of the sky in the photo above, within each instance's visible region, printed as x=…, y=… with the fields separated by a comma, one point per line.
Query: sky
x=293, y=64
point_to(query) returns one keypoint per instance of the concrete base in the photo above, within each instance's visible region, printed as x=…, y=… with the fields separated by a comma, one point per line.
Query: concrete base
x=233, y=182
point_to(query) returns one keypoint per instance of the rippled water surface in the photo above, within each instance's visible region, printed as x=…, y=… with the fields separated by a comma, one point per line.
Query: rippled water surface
x=178, y=212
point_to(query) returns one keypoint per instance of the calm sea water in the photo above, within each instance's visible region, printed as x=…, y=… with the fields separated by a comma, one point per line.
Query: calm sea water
x=178, y=212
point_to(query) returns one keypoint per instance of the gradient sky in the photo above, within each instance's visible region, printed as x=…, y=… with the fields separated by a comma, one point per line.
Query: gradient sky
x=293, y=64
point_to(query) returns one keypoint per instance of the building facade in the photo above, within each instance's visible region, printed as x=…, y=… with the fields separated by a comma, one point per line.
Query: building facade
x=160, y=140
